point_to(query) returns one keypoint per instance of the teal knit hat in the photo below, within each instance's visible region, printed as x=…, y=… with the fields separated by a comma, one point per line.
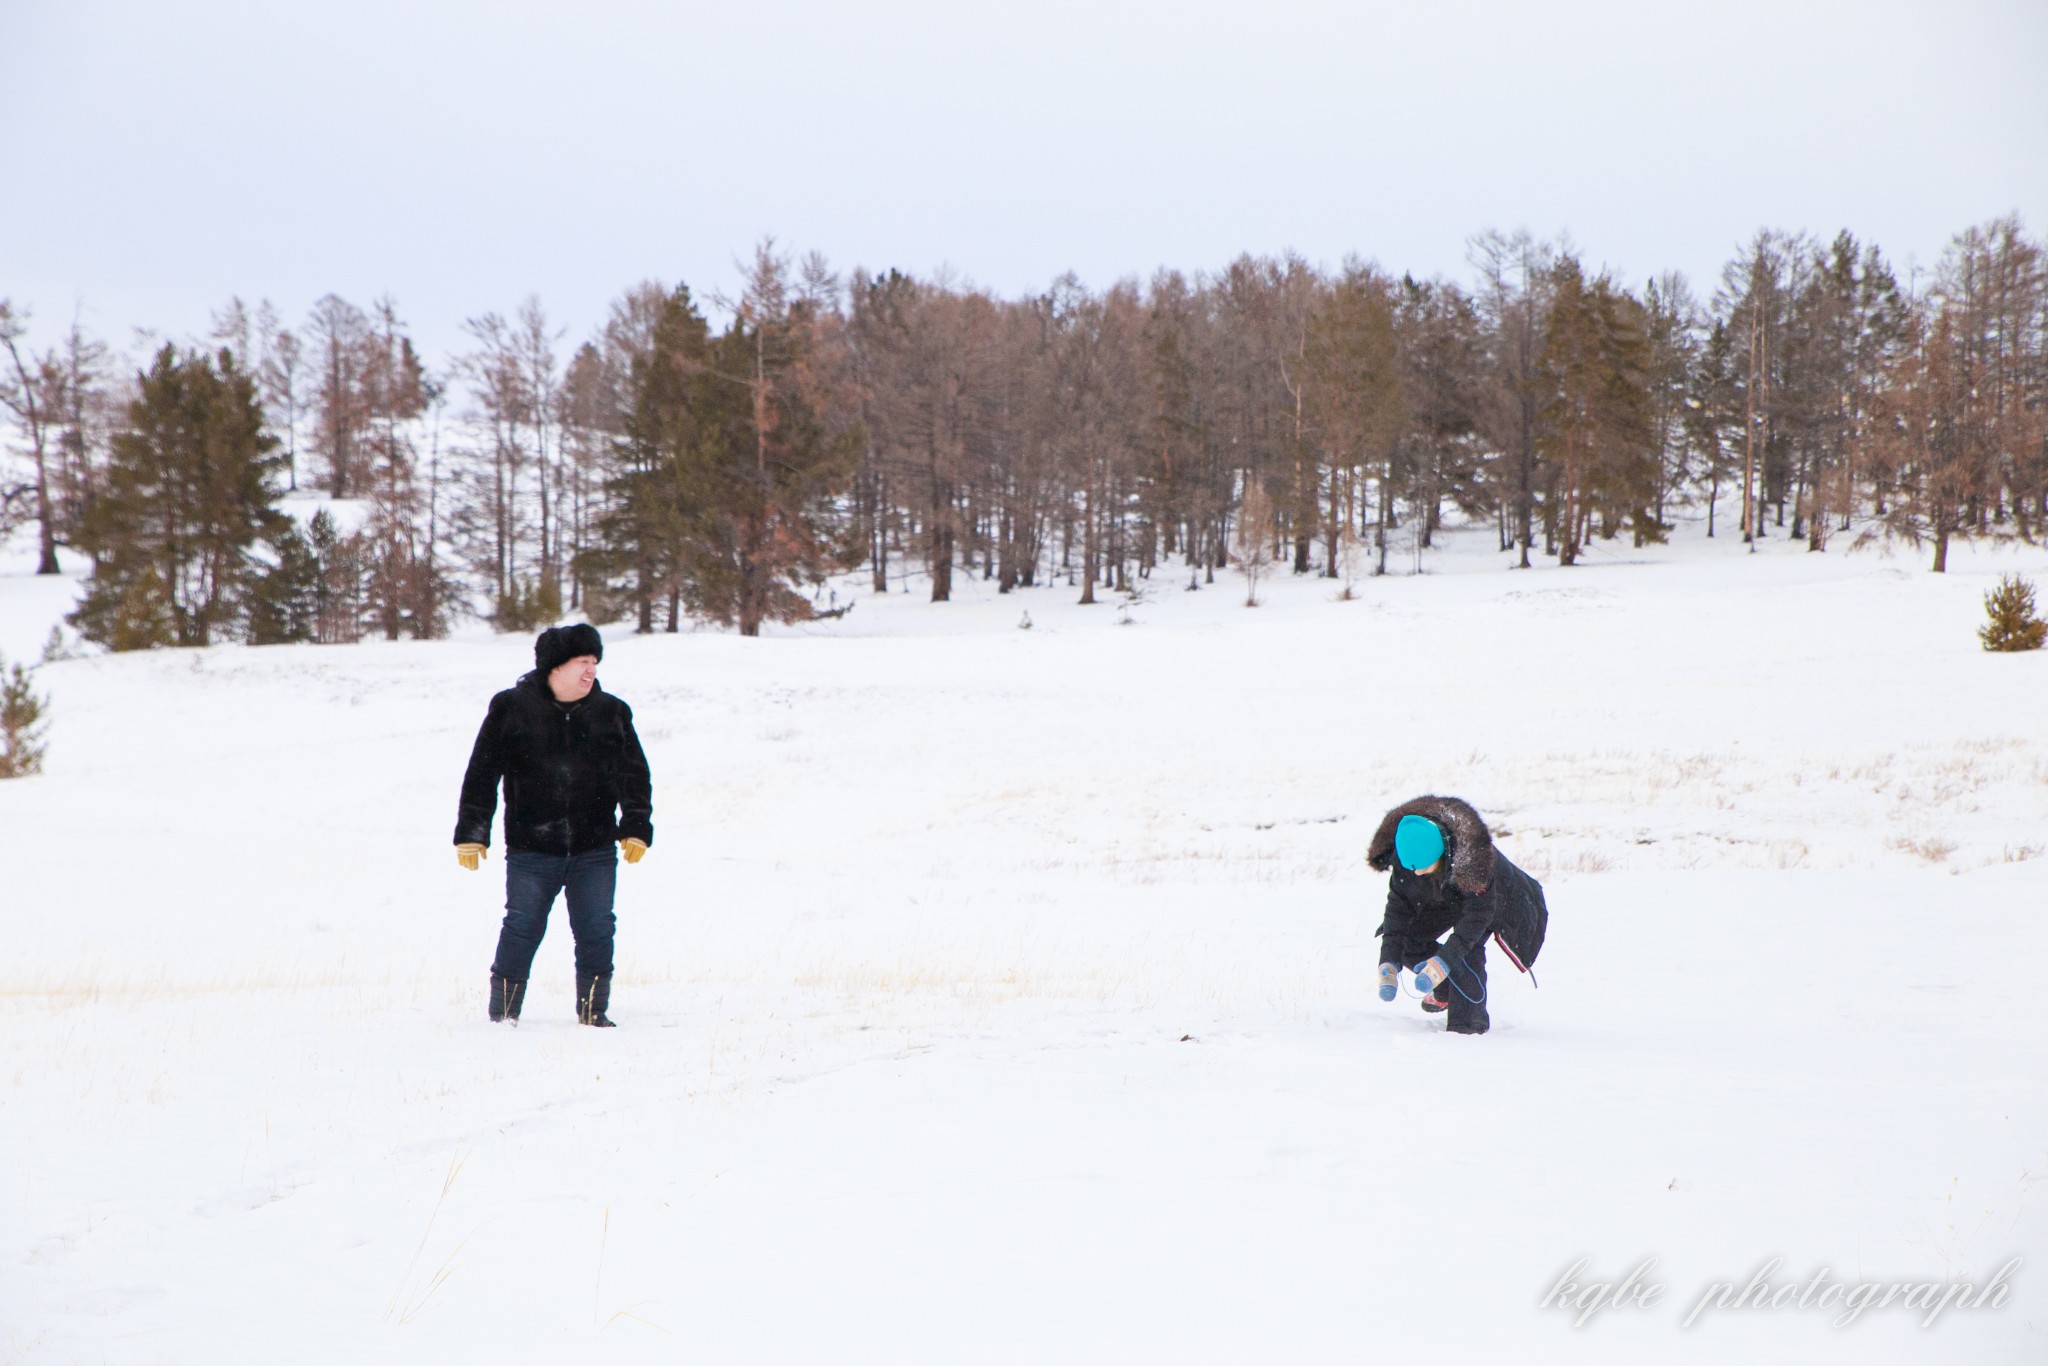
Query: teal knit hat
x=1417, y=842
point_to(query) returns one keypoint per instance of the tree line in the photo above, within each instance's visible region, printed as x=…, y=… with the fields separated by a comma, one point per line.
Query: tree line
x=1271, y=413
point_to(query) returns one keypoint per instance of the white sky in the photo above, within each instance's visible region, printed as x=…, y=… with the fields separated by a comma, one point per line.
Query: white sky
x=163, y=155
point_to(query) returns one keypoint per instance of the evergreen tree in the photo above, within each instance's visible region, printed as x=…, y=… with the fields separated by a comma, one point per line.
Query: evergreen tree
x=395, y=394
x=338, y=582
x=1882, y=329
x=587, y=424
x=284, y=605
x=1673, y=319
x=186, y=495
x=1442, y=353
x=1844, y=320
x=1351, y=380
x=1935, y=470
x=23, y=724
x=1599, y=429
x=1713, y=417
x=1992, y=283
x=1514, y=299
x=1172, y=466
x=758, y=478
x=1194, y=459
x=128, y=610
x=2013, y=625
x=1753, y=303
x=640, y=531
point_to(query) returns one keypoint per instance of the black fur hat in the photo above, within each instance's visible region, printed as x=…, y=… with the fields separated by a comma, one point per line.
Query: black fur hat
x=558, y=645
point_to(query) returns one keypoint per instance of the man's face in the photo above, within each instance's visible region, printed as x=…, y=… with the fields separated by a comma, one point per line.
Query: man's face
x=570, y=680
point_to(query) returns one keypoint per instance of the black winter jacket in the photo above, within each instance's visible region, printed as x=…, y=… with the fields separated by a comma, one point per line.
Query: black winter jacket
x=567, y=769
x=1474, y=892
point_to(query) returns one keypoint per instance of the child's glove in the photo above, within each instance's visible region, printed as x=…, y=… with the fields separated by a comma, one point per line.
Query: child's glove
x=1390, y=980
x=1431, y=975
x=468, y=854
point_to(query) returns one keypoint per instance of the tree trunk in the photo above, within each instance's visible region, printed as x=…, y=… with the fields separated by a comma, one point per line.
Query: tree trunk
x=1337, y=519
x=1525, y=512
x=1088, y=539
x=942, y=564
x=46, y=531
x=1380, y=535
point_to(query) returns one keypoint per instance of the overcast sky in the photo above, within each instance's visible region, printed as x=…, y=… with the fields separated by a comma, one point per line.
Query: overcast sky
x=162, y=155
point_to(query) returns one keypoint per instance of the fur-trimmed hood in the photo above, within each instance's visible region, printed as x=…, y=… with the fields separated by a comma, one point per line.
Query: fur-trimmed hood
x=1470, y=843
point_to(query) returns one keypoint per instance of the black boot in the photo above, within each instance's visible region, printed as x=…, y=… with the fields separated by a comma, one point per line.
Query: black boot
x=593, y=994
x=1475, y=1023
x=506, y=998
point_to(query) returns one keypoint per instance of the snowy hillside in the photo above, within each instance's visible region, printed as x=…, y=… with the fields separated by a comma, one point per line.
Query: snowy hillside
x=1005, y=995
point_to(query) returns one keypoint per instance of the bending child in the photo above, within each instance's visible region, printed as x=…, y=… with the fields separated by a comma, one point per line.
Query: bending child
x=1449, y=879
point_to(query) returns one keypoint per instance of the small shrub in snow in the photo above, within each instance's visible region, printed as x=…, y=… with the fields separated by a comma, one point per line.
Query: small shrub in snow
x=1933, y=848
x=528, y=606
x=2013, y=625
x=1253, y=537
x=21, y=725
x=56, y=649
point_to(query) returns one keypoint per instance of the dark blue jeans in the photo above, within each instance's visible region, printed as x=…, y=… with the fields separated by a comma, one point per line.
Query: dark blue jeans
x=531, y=882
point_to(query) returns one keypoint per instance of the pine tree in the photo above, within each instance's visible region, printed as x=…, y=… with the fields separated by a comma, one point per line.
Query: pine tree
x=2013, y=625
x=284, y=601
x=338, y=582
x=528, y=603
x=1673, y=319
x=1442, y=355
x=186, y=495
x=757, y=484
x=586, y=426
x=22, y=724
x=1171, y=461
x=639, y=532
x=1599, y=423
x=1514, y=299
x=1935, y=470
x=1351, y=383
x=396, y=558
x=127, y=610
x=1752, y=303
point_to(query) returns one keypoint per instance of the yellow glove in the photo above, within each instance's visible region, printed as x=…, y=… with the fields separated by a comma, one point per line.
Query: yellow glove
x=468, y=854
x=634, y=849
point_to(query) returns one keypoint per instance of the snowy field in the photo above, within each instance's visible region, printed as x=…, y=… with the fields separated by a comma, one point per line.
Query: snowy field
x=995, y=995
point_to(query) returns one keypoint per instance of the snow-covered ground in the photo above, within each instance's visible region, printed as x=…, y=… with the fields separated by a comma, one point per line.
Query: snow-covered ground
x=1005, y=995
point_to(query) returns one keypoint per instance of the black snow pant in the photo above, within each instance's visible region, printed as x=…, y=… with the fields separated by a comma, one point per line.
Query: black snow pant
x=1466, y=987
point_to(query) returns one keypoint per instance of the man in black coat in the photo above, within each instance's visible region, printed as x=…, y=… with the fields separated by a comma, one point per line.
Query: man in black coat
x=1448, y=878
x=576, y=782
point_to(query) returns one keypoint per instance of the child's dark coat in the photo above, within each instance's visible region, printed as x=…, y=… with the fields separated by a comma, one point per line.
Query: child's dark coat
x=1475, y=892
